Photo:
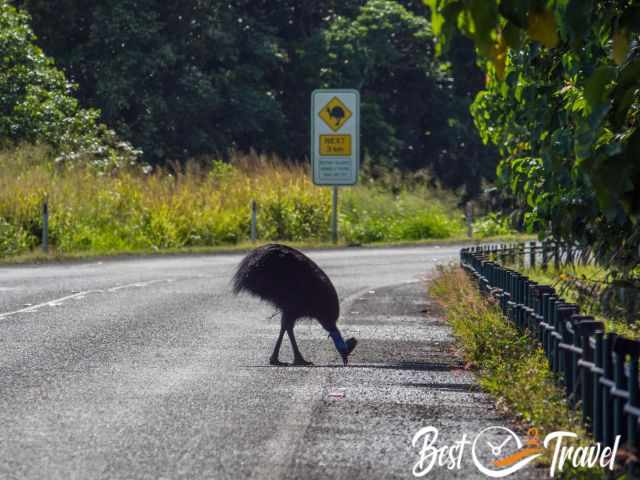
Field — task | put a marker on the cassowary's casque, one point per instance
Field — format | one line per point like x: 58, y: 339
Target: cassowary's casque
x: 295, y: 285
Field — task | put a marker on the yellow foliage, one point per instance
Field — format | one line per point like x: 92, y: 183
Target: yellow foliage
x: 498, y: 56
x: 621, y: 44
x: 542, y: 28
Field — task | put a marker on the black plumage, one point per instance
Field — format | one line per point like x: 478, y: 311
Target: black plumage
x: 297, y: 287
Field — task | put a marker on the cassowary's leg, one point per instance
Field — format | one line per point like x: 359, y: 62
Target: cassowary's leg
x: 276, y: 351
x: 297, y: 356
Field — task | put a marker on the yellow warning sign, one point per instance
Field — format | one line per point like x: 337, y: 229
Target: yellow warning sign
x: 335, y: 114
x: 335, y: 145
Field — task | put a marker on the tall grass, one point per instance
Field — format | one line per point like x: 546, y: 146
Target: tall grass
x: 204, y: 203
x: 574, y: 281
x: 512, y: 366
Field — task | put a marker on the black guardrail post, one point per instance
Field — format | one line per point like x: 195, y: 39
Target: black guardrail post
x: 592, y: 366
x: 625, y: 424
x: 619, y: 392
x: 607, y: 385
x: 585, y: 327
x: 597, y: 372
x: 569, y: 354
x: 632, y: 409
x: 532, y: 254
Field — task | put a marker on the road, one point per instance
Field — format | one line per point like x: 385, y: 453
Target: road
x: 149, y: 368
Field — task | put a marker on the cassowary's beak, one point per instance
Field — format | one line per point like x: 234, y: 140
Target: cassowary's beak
x: 344, y: 348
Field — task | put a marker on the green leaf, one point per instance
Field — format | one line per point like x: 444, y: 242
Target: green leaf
x: 622, y: 103
x: 576, y: 18
x: 629, y: 74
x: 485, y: 17
x: 515, y: 11
x: 595, y: 90
x: 621, y: 45
x: 543, y: 28
x: 630, y: 19
x: 512, y: 35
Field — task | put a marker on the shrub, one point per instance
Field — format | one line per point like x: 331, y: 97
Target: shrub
x: 201, y: 205
x: 37, y: 102
x: 492, y: 225
x: 13, y: 239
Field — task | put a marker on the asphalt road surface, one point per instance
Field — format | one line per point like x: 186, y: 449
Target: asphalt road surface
x: 150, y: 369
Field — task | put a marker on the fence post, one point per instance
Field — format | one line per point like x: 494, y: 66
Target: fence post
x: 532, y: 254
x: 469, y: 217
x: 334, y: 216
x: 521, y: 254
x: 556, y: 255
x: 569, y: 255
x: 607, y: 384
x: 632, y: 418
x: 254, y: 221
x: 544, y: 255
x: 597, y: 424
x: 45, y: 225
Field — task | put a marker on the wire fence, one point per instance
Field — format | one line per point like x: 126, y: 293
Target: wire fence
x: 598, y: 371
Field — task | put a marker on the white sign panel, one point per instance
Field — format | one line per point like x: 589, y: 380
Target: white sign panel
x: 335, y: 136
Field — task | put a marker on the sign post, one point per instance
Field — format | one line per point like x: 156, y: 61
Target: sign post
x: 335, y: 142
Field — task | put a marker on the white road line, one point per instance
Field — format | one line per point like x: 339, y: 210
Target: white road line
x: 51, y: 303
x: 138, y: 284
x: 80, y: 295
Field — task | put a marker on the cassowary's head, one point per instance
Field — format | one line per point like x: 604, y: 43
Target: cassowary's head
x: 344, y: 348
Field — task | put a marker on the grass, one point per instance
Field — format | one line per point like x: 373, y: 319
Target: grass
x: 205, y: 206
x: 565, y: 281
x: 511, y: 366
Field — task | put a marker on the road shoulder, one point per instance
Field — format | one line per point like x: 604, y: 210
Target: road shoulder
x: 406, y: 375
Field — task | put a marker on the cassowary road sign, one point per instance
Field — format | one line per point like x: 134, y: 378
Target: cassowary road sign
x: 335, y: 114
x: 335, y: 136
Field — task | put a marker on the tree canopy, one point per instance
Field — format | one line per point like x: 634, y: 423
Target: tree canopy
x: 201, y: 77
x: 562, y: 103
x: 37, y: 102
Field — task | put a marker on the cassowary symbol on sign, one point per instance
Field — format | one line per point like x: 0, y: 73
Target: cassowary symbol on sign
x: 336, y: 113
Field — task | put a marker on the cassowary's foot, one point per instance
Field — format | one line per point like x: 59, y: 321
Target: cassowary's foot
x: 301, y: 362
x: 277, y: 363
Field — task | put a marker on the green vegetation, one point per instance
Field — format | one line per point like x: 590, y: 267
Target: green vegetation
x: 36, y: 102
x: 562, y: 104
x: 512, y: 367
x: 195, y: 206
x: 586, y: 285
x: 200, y: 80
x: 196, y: 78
x: 492, y: 225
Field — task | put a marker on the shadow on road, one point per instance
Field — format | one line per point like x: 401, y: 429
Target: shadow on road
x: 431, y: 367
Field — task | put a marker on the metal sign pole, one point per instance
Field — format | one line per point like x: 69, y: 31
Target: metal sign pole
x: 45, y: 225
x: 334, y: 216
x: 254, y: 221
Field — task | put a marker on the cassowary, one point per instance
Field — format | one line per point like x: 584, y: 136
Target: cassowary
x: 298, y: 288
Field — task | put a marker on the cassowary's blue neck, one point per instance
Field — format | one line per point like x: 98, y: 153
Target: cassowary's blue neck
x: 339, y: 341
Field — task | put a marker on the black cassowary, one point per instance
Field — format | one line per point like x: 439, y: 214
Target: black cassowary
x: 298, y: 288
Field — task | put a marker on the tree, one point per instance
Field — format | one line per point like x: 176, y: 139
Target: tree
x: 415, y: 112
x: 562, y: 103
x: 177, y: 79
x: 37, y: 102
x: 199, y: 77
